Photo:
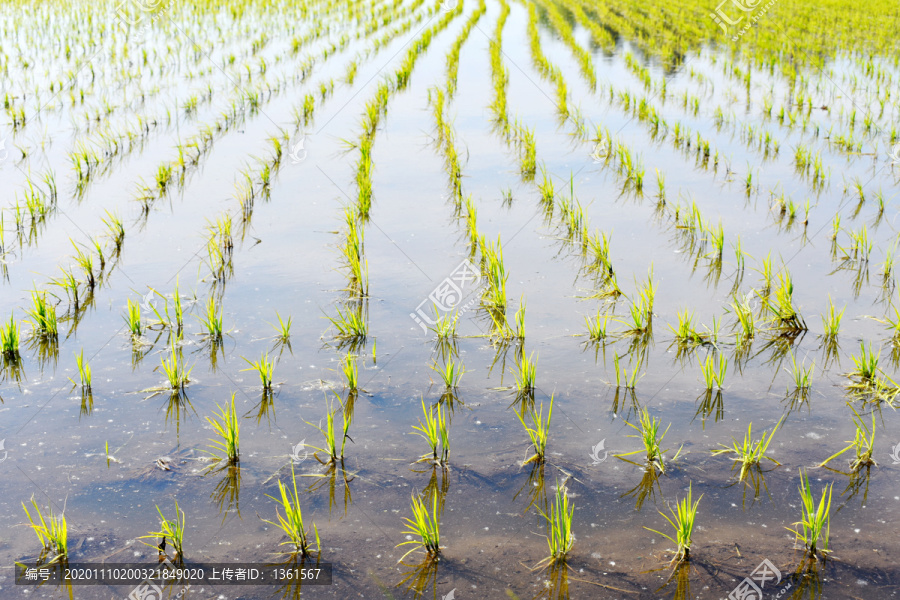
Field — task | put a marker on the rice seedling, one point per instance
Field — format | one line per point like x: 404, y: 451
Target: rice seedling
x: 424, y: 528
x: 291, y: 524
x: 866, y: 371
x: 684, y: 516
x: 714, y: 374
x: 685, y: 333
x: 9, y: 340
x: 624, y: 379
x: 831, y: 321
x: 750, y: 453
x: 51, y: 530
x: 560, y: 538
x: 648, y: 433
x: 444, y: 325
x: 785, y: 316
x: 211, y: 320
x: 597, y: 327
x: 133, y: 319
x: 434, y: 430
x: 863, y: 443
x: 43, y: 316
x: 84, y: 372
x: 177, y: 375
x: 815, y: 521
x: 283, y: 328
x: 538, y: 432
x: 526, y: 374
x: 225, y: 424
x: 801, y: 374
x: 332, y: 453
x: 171, y: 530
x: 264, y: 367
x: 69, y: 285
x: 350, y: 324
x: 451, y: 373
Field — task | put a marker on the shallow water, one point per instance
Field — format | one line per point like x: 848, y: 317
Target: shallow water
x: 288, y: 262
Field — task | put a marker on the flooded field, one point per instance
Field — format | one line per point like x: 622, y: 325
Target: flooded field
x: 476, y: 299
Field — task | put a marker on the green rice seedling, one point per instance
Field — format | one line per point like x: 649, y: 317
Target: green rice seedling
x: 84, y: 371
x: 785, y: 315
x: 86, y: 262
x: 264, y: 367
x: 69, y: 285
x: 815, y: 521
x: 51, y: 530
x: 211, y: 320
x: 684, y: 516
x: 133, y: 319
x: 538, y: 432
x: 801, y: 374
x: 863, y: 443
x: 746, y: 323
x: 9, y: 340
x: 434, y: 430
x: 333, y: 455
x: 43, y: 316
x: 291, y: 524
x: 451, y: 373
x: 623, y: 378
x: 283, y: 328
x: 713, y: 374
x: 350, y: 368
x: 866, y: 371
x: 226, y: 445
x: 597, y: 327
x: 831, y: 321
x: 177, y: 375
x: 648, y: 433
x: 424, y: 527
x: 171, y: 530
x: 444, y: 326
x: 526, y: 374
x: 685, y: 333
x: 350, y: 324
x: 750, y: 453
x: 560, y: 538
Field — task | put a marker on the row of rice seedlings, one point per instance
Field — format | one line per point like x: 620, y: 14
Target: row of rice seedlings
x: 51, y: 530
x: 448, y: 146
x: 749, y: 453
x: 353, y: 253
x: 714, y: 374
x: 538, y: 432
x: 583, y: 57
x: 545, y: 67
x: 435, y: 431
x: 492, y: 268
x: 499, y: 73
x: 648, y: 432
x: 453, y: 53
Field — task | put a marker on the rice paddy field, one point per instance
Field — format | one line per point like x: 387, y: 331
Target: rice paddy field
x: 460, y: 299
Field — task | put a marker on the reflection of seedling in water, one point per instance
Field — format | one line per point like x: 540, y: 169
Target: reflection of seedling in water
x: 52, y: 531
x: 749, y: 453
x: 291, y: 524
x: 648, y: 433
x: 683, y: 518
